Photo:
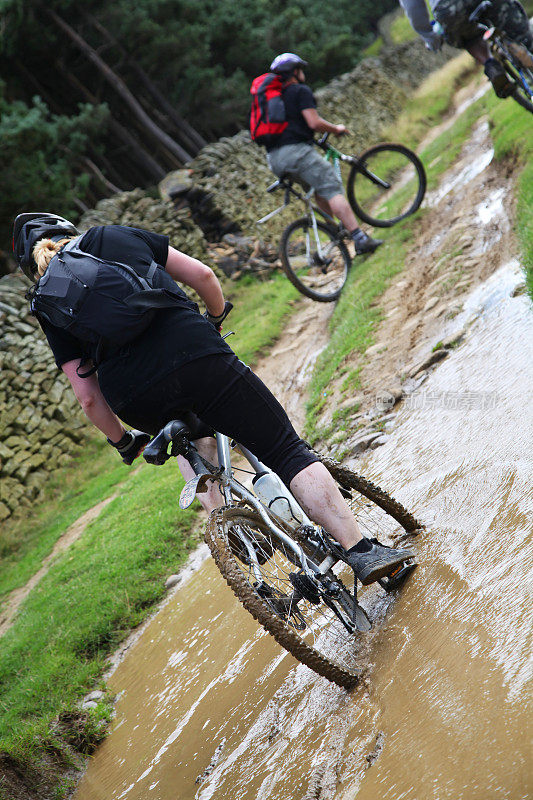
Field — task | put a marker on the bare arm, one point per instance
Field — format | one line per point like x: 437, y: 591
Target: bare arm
x: 93, y: 403
x: 316, y: 123
x: 199, y: 277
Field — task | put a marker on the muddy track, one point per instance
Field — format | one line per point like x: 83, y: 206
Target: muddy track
x: 227, y: 715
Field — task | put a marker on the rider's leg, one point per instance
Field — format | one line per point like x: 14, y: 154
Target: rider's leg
x: 319, y: 496
x: 339, y: 207
x: 207, y: 447
x: 317, y: 493
x: 494, y: 71
x: 479, y: 50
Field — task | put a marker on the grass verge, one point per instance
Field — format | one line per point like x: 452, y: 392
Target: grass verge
x: 512, y: 134
x: 24, y: 542
x: 260, y: 312
x: 357, y: 314
x: 104, y: 585
x: 352, y: 325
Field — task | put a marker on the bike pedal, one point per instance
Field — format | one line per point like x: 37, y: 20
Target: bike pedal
x: 398, y: 576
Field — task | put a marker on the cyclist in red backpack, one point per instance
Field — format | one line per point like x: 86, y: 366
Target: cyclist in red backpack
x: 292, y: 152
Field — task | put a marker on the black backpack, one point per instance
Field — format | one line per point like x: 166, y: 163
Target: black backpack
x: 103, y: 303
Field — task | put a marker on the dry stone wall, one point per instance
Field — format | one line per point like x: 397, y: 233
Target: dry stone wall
x: 41, y: 425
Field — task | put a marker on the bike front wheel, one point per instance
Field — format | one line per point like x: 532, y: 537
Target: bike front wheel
x: 315, y: 261
x: 308, y: 629
x: 386, y: 185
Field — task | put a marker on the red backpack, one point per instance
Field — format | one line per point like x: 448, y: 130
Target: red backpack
x: 267, y: 115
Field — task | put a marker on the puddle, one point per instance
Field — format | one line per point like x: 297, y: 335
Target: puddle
x: 493, y: 208
x: 483, y: 89
x: 478, y: 161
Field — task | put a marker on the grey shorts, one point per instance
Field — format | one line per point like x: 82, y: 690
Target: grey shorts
x: 303, y: 163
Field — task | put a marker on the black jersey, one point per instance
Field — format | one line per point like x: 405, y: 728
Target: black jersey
x: 174, y: 337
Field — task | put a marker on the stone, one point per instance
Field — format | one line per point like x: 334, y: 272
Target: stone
x: 518, y: 290
x: 379, y: 440
x: 350, y: 402
x: 94, y: 696
x: 453, y: 339
x: 432, y: 358
x: 175, y: 184
x: 431, y: 303
x: 374, y: 349
x: 172, y: 581
x: 361, y: 443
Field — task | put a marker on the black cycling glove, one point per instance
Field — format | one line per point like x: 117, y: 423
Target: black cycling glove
x: 216, y: 322
x: 130, y: 445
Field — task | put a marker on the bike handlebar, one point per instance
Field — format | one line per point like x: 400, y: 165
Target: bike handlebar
x: 176, y: 432
x: 479, y: 10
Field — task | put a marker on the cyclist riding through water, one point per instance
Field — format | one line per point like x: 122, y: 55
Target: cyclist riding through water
x: 179, y: 366
x: 459, y: 31
x: 293, y: 153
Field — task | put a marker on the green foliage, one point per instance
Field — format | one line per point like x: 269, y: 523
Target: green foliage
x: 374, y: 49
x: 41, y: 156
x: 268, y: 305
x: 401, y: 30
x: 203, y: 54
x: 24, y: 542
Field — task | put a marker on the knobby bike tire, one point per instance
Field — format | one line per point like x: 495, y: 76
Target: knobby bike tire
x: 215, y: 535
x: 304, y: 224
x: 216, y: 538
x: 351, y: 480
x: 420, y: 173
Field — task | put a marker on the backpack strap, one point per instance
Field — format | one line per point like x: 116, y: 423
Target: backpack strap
x: 90, y: 371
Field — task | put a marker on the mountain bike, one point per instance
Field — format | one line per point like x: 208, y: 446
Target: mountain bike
x: 385, y: 184
x: 516, y: 60
x: 284, y: 569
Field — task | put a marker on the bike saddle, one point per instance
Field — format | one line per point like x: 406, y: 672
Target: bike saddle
x: 176, y: 432
x: 284, y: 182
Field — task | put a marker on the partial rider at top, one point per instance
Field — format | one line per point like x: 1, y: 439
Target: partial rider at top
x: 453, y: 18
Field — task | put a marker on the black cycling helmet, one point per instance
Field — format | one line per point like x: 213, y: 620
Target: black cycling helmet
x: 287, y: 62
x: 31, y: 228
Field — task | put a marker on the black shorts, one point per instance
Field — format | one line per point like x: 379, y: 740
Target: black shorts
x: 228, y: 397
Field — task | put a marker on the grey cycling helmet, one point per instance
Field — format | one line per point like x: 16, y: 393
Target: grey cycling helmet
x: 32, y: 227
x: 286, y: 62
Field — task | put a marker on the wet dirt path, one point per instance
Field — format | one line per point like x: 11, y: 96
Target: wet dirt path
x: 210, y: 707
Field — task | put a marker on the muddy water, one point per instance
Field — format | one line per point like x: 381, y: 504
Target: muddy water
x: 210, y: 706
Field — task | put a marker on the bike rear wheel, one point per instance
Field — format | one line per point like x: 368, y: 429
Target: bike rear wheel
x: 312, y: 632
x: 318, y: 269
x: 387, y: 185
